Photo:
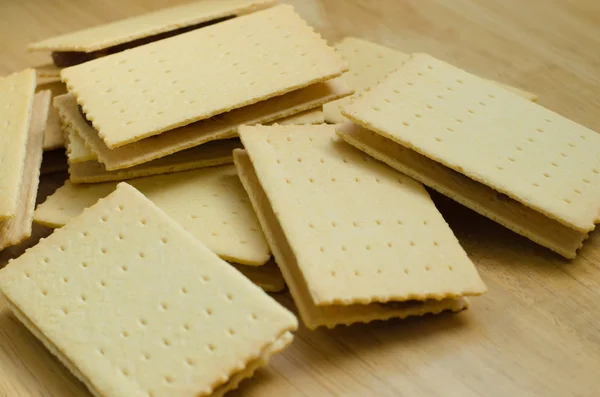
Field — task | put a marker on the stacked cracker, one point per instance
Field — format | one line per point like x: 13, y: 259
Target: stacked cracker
x: 356, y: 240
x: 191, y: 92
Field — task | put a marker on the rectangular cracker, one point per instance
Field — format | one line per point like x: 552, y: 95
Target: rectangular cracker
x: 54, y: 138
x: 208, y: 155
x: 16, y: 101
x: 480, y: 198
x: 369, y: 63
x: 209, y: 203
x: 47, y: 74
x: 200, y: 74
x: 220, y: 127
x: 519, y: 148
x: 150, y: 24
x: 313, y: 116
x: 17, y: 229
x: 350, y: 254
x: 123, y: 284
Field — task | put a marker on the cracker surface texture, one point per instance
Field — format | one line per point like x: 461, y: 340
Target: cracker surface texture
x: 200, y: 74
x: 16, y: 102
x: 352, y: 252
x: 533, y: 155
x: 176, y: 319
x: 161, y: 21
x: 313, y: 116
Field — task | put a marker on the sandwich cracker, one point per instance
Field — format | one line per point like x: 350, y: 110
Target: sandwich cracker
x: 176, y: 319
x: 533, y: 155
x: 224, y: 69
x: 221, y: 127
x: 349, y: 255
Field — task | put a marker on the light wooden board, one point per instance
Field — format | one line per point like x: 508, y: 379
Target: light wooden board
x: 536, y: 331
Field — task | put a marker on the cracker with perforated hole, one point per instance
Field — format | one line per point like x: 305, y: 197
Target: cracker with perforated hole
x: 16, y: 102
x: 386, y: 253
x: 209, y: 203
x: 512, y: 145
x: 147, y: 25
x: 482, y: 199
x: 134, y: 305
x: 369, y: 63
x: 54, y: 138
x: 208, y: 155
x: 200, y: 74
x: 220, y: 127
x: 17, y: 229
x: 314, y: 116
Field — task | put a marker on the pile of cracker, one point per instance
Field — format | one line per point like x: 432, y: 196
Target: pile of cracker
x: 213, y: 113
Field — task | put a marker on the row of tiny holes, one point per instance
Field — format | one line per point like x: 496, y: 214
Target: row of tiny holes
x: 379, y: 271
x: 322, y: 161
x: 530, y: 139
x: 143, y: 322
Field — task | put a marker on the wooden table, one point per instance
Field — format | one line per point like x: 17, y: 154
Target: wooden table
x: 537, y: 331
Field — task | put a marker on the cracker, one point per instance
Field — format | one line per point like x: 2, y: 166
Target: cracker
x: 54, y: 138
x: 267, y: 277
x: 150, y: 24
x: 369, y: 63
x: 352, y: 256
x: 175, y: 319
x: 54, y: 161
x: 77, y: 151
x: 208, y: 155
x: 313, y: 116
x: 480, y: 198
x: 200, y: 74
x: 220, y: 127
x: 525, y: 151
x: 17, y: 229
x: 209, y: 203
x: 16, y: 101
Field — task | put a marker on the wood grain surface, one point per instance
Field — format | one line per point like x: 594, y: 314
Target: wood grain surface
x: 536, y: 332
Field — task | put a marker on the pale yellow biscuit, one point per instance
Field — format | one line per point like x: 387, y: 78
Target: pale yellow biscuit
x: 200, y: 74
x: 134, y: 305
x: 77, y: 151
x: 18, y: 228
x: 349, y: 254
x: 220, y: 127
x: 533, y: 155
x: 209, y: 203
x: 208, y: 155
x: 16, y: 101
x: 369, y: 63
x: 480, y: 198
x: 161, y: 21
